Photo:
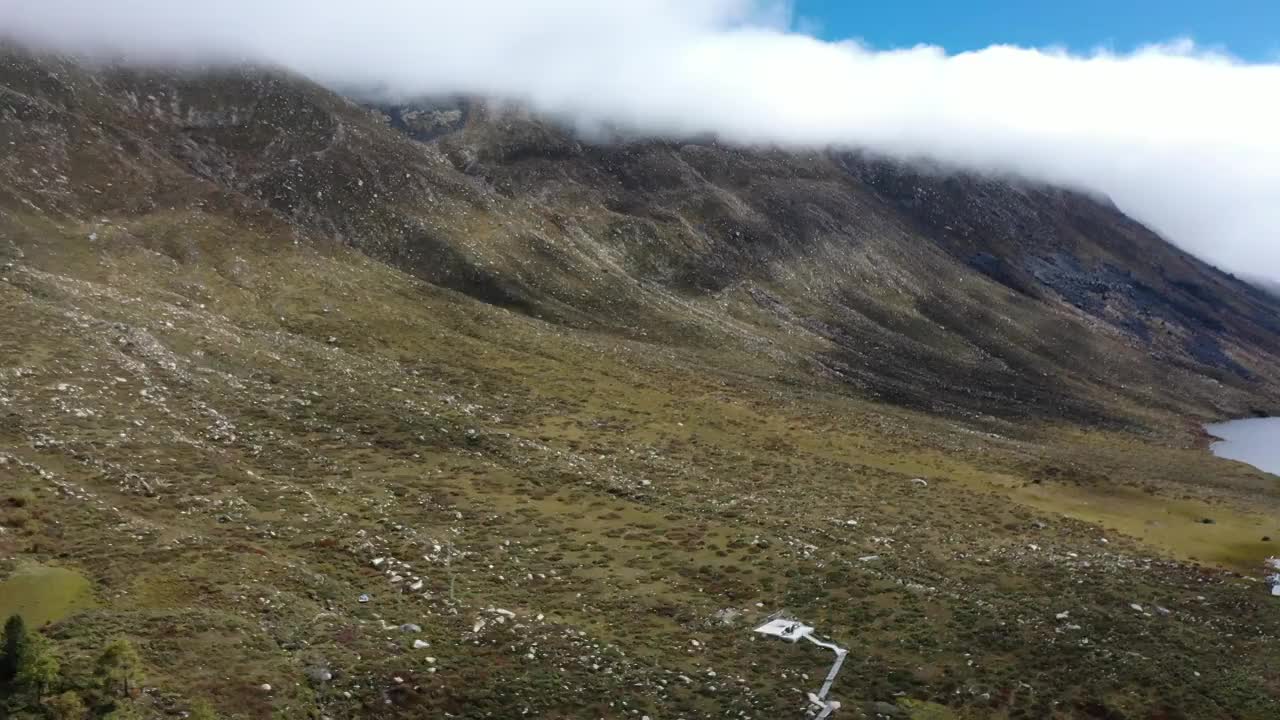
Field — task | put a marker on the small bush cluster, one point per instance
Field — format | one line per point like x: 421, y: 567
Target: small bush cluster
x: 33, y: 683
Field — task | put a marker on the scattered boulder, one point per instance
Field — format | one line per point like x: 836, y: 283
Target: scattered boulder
x: 881, y: 709
x: 727, y: 616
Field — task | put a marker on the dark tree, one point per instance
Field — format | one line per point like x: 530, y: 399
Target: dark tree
x: 12, y: 649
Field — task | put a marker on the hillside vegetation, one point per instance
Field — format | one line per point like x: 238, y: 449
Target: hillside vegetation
x: 426, y: 410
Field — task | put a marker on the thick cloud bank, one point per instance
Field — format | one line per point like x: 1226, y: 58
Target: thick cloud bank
x: 1186, y: 140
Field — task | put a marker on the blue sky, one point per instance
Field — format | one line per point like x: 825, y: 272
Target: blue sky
x: 1249, y: 29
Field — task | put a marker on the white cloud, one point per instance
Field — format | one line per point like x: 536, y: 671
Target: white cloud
x: 1182, y: 138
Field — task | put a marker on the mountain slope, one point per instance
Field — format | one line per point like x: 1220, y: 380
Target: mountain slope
x: 932, y: 290
x: 270, y: 350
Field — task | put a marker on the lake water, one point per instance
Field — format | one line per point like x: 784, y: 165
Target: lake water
x: 1255, y: 441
